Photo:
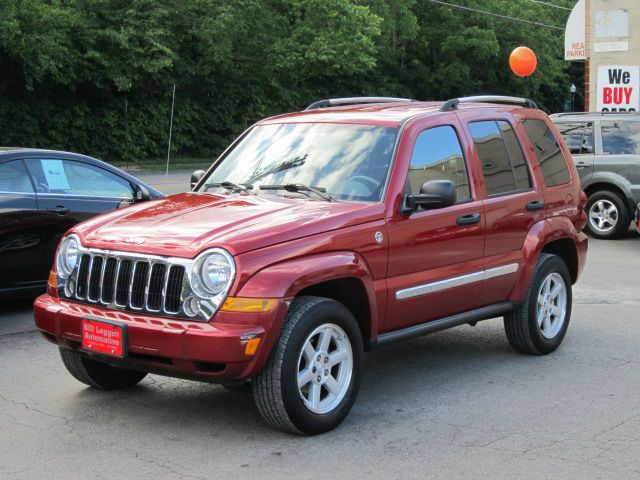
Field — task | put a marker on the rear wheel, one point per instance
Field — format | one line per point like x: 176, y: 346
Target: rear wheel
x: 311, y: 379
x: 98, y: 374
x: 539, y: 324
x: 608, y: 215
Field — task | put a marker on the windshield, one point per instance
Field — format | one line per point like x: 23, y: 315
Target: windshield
x: 349, y: 162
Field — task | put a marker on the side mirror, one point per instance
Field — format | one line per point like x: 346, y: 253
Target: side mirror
x: 196, y: 177
x: 140, y: 193
x: 433, y: 194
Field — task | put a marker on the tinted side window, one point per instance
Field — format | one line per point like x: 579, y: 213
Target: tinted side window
x: 550, y: 157
x: 437, y: 155
x: 14, y: 178
x: 620, y: 138
x: 578, y: 136
x: 77, y: 178
x: 518, y: 163
x: 494, y: 157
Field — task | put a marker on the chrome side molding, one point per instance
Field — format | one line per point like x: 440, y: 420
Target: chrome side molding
x: 453, y: 282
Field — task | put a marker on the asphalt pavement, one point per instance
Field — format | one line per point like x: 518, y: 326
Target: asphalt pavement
x: 457, y: 404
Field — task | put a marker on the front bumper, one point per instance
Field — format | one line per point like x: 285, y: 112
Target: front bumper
x: 213, y: 351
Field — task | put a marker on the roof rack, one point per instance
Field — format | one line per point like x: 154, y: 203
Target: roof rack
x: 453, y: 103
x: 334, y: 102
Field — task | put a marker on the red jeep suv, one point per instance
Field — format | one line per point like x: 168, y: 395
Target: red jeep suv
x: 322, y: 234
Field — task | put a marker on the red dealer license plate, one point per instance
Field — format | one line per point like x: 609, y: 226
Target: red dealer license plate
x: 104, y: 337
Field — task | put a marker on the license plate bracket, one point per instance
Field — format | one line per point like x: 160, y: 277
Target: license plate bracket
x: 104, y: 336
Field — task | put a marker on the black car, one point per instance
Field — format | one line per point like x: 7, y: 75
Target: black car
x: 43, y: 193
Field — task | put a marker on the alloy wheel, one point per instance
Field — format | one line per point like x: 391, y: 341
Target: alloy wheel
x: 603, y: 216
x: 552, y: 305
x: 325, y: 368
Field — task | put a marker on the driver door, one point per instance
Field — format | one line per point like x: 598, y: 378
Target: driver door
x: 435, y: 256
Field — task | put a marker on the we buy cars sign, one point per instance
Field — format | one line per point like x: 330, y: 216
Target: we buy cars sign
x: 618, y: 89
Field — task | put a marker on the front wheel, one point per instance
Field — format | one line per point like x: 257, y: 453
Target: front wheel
x: 539, y: 324
x: 312, y: 377
x: 98, y: 374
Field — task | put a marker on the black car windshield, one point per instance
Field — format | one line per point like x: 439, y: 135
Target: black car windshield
x: 348, y: 162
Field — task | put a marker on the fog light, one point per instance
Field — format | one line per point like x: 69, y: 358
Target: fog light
x: 191, y: 306
x: 70, y: 288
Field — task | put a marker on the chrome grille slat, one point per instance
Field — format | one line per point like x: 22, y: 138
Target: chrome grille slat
x: 101, y: 281
x: 132, y: 279
x: 89, y: 277
x: 145, y: 304
x: 164, y: 289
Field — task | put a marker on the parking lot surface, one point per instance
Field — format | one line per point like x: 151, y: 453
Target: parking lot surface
x: 457, y: 404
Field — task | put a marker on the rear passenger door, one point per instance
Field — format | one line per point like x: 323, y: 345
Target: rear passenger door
x: 553, y: 164
x: 512, y: 205
x: 435, y: 256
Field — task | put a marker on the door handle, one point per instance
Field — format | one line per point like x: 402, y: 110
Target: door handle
x: 535, y: 205
x: 59, y: 209
x: 468, y: 219
x: 581, y: 165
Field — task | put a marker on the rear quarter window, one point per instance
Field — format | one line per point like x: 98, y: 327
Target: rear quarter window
x: 548, y: 151
x: 620, y: 138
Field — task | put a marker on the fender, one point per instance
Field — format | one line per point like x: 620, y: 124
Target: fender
x: 614, y: 179
x: 541, y: 234
x: 286, y: 279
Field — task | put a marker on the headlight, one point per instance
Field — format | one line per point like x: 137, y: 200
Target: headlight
x: 212, y: 273
x: 67, y: 256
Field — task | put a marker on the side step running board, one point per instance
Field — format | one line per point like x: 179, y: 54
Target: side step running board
x: 433, y: 326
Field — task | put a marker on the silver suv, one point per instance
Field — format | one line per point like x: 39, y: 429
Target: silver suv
x: 606, y: 151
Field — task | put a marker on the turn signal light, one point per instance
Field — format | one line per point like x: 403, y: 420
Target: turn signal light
x: 252, y: 346
x: 52, y: 284
x: 244, y: 304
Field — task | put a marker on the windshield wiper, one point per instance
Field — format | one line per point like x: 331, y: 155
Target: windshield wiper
x: 298, y: 187
x: 234, y: 187
x: 286, y: 165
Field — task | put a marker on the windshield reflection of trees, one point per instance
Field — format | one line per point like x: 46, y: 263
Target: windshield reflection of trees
x: 314, y: 154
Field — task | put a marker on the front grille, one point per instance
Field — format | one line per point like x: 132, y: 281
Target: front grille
x: 150, y: 285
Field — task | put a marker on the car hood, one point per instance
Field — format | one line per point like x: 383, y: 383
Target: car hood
x: 185, y: 224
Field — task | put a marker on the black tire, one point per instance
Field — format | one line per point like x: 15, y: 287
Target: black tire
x: 98, y: 374
x: 275, y: 388
x: 622, y: 212
x: 521, y: 325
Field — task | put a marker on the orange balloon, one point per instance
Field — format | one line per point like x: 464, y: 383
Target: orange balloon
x: 523, y: 61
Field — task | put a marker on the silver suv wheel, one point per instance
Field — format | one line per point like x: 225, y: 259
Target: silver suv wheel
x: 325, y: 366
x: 603, y: 216
x: 552, y: 305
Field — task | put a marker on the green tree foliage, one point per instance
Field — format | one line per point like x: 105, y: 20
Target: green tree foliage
x: 96, y: 76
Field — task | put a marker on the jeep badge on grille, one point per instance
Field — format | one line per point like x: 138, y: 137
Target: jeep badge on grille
x: 136, y: 240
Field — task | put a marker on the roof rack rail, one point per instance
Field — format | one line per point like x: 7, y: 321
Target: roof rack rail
x: 334, y: 102
x: 453, y: 103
